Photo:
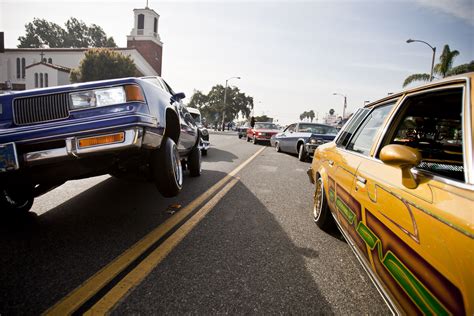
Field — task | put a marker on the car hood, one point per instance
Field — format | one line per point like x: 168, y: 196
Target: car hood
x: 266, y: 130
x: 327, y: 137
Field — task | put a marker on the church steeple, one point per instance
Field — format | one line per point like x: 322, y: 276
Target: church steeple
x: 145, y: 38
x: 145, y: 26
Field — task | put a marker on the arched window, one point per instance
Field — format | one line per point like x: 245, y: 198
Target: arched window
x: 36, y: 80
x: 50, y: 60
x: 155, y: 25
x: 45, y: 80
x: 23, y: 67
x: 18, y: 71
x: 141, y: 22
x: 41, y: 80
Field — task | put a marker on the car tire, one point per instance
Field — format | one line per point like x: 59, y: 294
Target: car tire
x: 248, y: 139
x: 194, y: 162
x: 16, y: 200
x: 240, y: 136
x: 166, y: 168
x: 321, y: 213
x: 277, y: 147
x: 302, y: 154
x: 254, y: 140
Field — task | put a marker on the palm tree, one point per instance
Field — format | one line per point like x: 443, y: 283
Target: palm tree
x: 311, y: 115
x: 442, y: 68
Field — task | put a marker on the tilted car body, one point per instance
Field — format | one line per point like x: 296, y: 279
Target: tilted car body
x: 120, y: 126
x: 204, y: 133
x: 399, y: 182
x: 303, y: 138
x: 261, y: 132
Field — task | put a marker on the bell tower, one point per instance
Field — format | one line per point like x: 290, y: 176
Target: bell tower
x: 145, y: 38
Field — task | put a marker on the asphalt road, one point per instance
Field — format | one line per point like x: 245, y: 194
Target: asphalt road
x: 256, y: 251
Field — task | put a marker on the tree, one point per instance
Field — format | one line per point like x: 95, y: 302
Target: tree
x: 303, y: 115
x: 461, y: 69
x: 212, y: 104
x: 40, y: 33
x: 103, y: 63
x: 263, y: 118
x: 331, y: 112
x: 442, y: 68
x: 311, y: 115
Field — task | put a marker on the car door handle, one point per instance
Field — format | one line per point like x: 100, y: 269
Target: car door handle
x: 331, y: 163
x: 361, y: 180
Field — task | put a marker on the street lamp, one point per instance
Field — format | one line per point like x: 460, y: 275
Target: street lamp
x: 434, y: 53
x: 225, y: 97
x: 345, y: 103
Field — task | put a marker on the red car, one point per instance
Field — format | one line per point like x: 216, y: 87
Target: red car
x: 261, y: 131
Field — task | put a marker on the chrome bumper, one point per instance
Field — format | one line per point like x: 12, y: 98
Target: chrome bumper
x: 204, y: 144
x: 133, y: 139
x: 310, y: 148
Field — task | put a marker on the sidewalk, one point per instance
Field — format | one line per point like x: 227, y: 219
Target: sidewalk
x: 226, y: 132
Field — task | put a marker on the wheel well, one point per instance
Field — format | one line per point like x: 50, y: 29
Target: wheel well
x: 172, y: 125
x: 299, y: 144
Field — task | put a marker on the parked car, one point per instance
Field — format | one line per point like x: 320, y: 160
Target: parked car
x: 261, y: 132
x: 399, y: 183
x: 204, y: 133
x: 303, y: 138
x: 242, y: 131
x: 121, y: 126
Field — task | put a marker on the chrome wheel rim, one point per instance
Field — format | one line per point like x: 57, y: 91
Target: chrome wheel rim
x: 318, y: 199
x: 177, y: 168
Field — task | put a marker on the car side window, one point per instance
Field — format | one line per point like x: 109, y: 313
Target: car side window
x: 168, y: 87
x: 187, y: 116
x: 290, y: 129
x: 364, y: 138
x: 351, y: 126
x: 432, y: 123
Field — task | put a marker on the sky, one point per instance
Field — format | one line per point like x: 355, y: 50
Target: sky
x: 292, y: 56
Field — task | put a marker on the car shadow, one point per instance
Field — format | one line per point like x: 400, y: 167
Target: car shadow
x: 44, y: 257
x: 238, y: 260
x: 216, y: 154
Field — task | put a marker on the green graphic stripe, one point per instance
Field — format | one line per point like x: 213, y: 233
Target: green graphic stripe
x: 367, y: 235
x: 345, y: 210
x: 425, y: 301
x: 331, y: 195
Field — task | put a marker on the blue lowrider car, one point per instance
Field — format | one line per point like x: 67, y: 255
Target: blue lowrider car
x: 303, y: 138
x: 121, y: 126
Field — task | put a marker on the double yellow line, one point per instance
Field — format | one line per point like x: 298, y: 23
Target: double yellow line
x: 94, y: 284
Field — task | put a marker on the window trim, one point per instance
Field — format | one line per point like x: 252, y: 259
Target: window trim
x: 468, y: 165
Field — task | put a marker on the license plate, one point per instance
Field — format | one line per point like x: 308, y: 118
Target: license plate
x: 8, y: 157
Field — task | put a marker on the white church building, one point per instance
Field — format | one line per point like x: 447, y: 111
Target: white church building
x: 28, y: 68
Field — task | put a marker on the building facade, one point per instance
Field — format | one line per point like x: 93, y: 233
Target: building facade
x: 27, y: 68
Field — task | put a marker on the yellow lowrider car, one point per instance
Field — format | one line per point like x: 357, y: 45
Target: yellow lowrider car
x: 398, y: 181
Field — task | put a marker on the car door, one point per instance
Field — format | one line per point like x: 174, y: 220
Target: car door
x: 285, y: 144
x: 188, y: 134
x: 420, y: 239
x: 189, y: 129
x: 352, y: 147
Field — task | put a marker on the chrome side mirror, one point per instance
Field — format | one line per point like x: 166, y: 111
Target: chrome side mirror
x: 403, y: 157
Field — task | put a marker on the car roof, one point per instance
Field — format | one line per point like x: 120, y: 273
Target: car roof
x: 448, y: 80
